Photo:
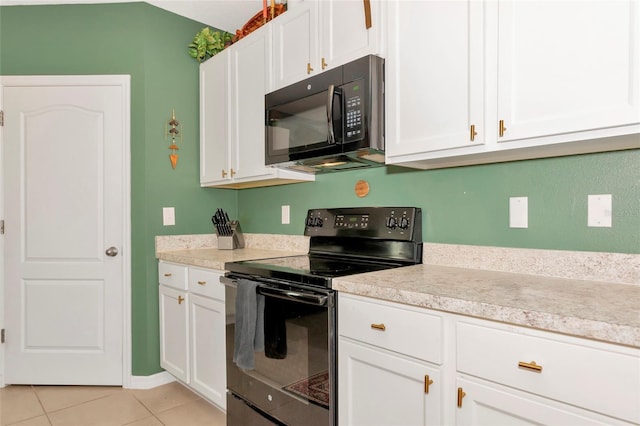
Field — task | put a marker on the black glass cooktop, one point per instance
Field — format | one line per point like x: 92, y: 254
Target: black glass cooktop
x: 306, y: 269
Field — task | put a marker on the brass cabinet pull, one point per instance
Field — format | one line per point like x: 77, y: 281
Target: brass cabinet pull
x: 309, y: 69
x: 367, y: 14
x: 224, y: 174
x: 180, y: 300
x: 202, y: 282
x: 380, y: 327
x: 531, y: 366
x: 168, y: 274
x: 427, y: 383
x: 473, y: 132
x: 461, y: 395
x: 324, y: 64
x: 233, y: 172
x: 502, y: 128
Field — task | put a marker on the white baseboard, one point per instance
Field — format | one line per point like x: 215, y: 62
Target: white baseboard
x: 148, y: 382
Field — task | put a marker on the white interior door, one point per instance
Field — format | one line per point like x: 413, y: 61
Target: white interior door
x: 66, y: 212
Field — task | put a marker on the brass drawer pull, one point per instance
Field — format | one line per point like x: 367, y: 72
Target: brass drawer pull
x: 461, y: 395
x: 502, y: 128
x: 180, y: 300
x: 202, y: 282
x: 380, y: 327
x: 168, y: 274
x: 473, y: 134
x: 531, y: 366
x: 427, y: 383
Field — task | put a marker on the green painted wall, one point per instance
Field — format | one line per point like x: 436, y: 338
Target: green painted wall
x: 470, y: 205
x: 149, y: 44
x: 461, y: 206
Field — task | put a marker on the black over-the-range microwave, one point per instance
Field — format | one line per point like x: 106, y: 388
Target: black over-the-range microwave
x: 331, y: 121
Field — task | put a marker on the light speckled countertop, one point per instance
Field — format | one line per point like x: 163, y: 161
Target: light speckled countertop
x: 585, y: 294
x: 598, y: 310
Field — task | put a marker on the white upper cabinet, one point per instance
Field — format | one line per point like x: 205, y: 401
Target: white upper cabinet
x: 567, y: 66
x: 232, y: 139
x: 214, y: 116
x: 317, y: 35
x: 348, y: 30
x: 534, y: 79
x: 434, y: 77
x: 295, y: 44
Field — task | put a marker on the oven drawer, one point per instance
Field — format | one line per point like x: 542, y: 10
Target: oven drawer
x: 206, y: 282
x: 393, y: 326
x: 172, y: 275
x: 581, y: 373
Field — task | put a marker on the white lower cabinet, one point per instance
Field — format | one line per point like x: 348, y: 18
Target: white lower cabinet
x: 192, y: 329
x: 403, y: 365
x: 378, y: 382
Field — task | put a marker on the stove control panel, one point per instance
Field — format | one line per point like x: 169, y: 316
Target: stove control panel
x: 394, y: 223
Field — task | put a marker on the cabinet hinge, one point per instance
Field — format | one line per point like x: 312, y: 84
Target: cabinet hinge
x: 2, y: 336
x: 1, y: 118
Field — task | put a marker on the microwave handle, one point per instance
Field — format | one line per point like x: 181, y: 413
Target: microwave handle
x: 331, y: 93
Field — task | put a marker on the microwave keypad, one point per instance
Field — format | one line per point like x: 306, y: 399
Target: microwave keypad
x: 354, y: 116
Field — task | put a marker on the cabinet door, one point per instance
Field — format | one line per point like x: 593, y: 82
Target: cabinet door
x: 208, y: 366
x: 174, y: 332
x: 343, y: 35
x: 248, y: 85
x: 567, y: 66
x: 434, y: 78
x: 295, y: 44
x: 379, y: 388
x: 214, y: 120
x: 489, y: 404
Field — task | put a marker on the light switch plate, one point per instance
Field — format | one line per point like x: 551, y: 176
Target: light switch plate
x: 519, y: 212
x: 168, y: 216
x: 599, y: 210
x: 286, y: 218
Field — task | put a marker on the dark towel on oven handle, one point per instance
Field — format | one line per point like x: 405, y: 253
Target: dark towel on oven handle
x: 249, y: 327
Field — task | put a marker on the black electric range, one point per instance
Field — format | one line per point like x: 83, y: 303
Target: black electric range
x: 345, y: 241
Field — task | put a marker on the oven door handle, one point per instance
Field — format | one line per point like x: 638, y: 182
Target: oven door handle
x: 228, y: 282
x: 309, y: 298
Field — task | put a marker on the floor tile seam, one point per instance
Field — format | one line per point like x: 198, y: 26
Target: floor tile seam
x: 72, y: 405
x: 167, y: 409
x: 44, y: 411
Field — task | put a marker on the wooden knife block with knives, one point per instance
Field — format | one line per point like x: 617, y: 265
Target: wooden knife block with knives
x: 228, y: 231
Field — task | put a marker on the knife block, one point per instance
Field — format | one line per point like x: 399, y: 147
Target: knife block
x: 233, y: 241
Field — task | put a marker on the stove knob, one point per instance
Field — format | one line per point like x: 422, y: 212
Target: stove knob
x: 310, y: 221
x: 391, y: 223
x: 318, y: 222
x: 403, y: 223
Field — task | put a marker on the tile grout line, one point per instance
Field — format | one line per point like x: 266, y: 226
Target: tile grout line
x: 46, y: 414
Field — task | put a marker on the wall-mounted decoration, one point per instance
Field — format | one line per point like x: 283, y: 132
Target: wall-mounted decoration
x: 362, y: 188
x: 173, y: 132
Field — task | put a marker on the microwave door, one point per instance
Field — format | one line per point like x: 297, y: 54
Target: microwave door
x: 299, y: 129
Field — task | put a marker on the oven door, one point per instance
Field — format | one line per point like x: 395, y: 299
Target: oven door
x: 293, y: 381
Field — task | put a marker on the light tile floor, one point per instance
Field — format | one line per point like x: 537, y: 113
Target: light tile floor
x: 169, y: 405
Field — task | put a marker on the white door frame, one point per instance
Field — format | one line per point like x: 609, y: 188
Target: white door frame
x: 124, y: 81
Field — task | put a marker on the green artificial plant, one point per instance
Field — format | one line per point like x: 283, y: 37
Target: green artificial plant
x: 207, y: 43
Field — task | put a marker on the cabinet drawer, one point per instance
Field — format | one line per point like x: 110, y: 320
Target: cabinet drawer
x: 206, y: 282
x: 172, y: 275
x: 399, y: 328
x: 589, y: 376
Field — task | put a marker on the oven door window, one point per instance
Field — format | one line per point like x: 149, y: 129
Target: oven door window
x: 290, y: 379
x: 301, y: 128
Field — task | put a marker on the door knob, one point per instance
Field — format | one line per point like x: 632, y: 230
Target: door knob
x: 111, y: 252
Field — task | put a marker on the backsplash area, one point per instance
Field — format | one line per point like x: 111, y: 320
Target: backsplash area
x: 593, y: 266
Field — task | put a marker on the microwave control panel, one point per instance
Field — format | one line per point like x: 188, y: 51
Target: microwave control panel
x: 354, y: 102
